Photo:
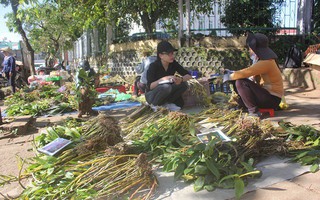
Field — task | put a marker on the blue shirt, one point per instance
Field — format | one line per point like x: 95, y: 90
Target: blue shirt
x: 9, y: 64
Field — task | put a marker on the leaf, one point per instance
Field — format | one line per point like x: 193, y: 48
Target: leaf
x: 213, y: 168
x: 256, y: 172
x: 308, y: 159
x: 179, y: 171
x: 200, y: 147
x: 210, y: 187
x: 300, y: 155
x: 168, y: 166
x: 192, y: 128
x: 314, y: 168
x: 247, y: 166
x: 239, y: 187
x: 228, y: 177
x: 194, y: 158
x: 180, y: 142
x: 188, y: 177
x: 69, y: 175
x: 50, y: 171
x: 189, y: 171
x: 201, y: 169
x: 198, y: 184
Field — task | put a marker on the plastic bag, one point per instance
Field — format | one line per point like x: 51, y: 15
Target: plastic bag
x: 123, y: 97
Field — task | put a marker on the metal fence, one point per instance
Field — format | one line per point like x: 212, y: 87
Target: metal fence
x: 203, y: 25
x: 285, y: 17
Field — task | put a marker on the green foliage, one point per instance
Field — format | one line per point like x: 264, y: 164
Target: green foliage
x: 316, y: 17
x: 249, y: 14
x: 310, y: 138
x: 233, y: 59
x: 208, y: 166
x: 211, y: 166
x: 55, y: 132
x: 38, y: 102
x: 50, y: 27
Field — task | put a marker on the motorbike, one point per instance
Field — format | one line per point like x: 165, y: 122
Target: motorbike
x: 20, y: 82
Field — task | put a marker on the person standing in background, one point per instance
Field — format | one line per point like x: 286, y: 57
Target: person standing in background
x: 9, y: 67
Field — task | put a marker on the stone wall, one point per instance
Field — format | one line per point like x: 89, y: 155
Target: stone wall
x: 306, y: 78
x: 210, y: 55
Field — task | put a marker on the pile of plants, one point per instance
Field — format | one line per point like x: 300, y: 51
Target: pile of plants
x: 171, y: 142
x: 116, y: 161
x: 48, y: 99
x: 96, y: 165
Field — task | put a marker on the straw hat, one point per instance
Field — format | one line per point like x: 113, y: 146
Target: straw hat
x: 6, y: 49
x: 19, y: 63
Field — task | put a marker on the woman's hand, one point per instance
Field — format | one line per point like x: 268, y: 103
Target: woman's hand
x: 177, y: 80
x: 169, y: 78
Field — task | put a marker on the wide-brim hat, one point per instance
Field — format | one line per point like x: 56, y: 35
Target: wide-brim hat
x: 259, y: 43
x: 19, y: 63
x: 6, y: 49
x: 165, y: 47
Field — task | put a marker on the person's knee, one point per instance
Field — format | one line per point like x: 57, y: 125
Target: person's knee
x: 166, y: 88
x: 239, y: 83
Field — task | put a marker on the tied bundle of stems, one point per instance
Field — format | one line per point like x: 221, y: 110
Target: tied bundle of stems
x: 198, y: 90
x: 133, y: 125
x: 99, y: 133
x: 98, y: 166
x: 167, y: 134
x: 254, y: 137
x: 101, y: 176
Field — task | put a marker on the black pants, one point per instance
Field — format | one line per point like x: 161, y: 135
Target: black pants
x: 138, y: 86
x: 253, y: 96
x: 11, y: 81
x: 167, y: 93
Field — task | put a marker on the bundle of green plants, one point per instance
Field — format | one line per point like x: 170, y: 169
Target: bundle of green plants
x: 96, y: 165
x: 171, y: 141
x: 45, y: 100
x: 199, y: 91
x: 166, y: 134
x: 303, y: 143
x: 132, y: 126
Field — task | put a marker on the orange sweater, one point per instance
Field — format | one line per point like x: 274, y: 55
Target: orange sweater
x: 270, y: 76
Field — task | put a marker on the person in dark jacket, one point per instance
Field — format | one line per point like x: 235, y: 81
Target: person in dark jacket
x: 163, y: 87
x: 9, y: 67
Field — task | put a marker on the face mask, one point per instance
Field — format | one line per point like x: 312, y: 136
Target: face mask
x: 254, y: 58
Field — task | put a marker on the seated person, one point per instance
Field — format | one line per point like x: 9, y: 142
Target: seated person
x: 163, y: 69
x: 141, y: 80
x: 266, y: 90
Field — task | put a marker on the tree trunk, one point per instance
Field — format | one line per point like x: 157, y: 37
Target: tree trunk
x: 180, y: 33
x: 304, y: 16
x: 14, y: 6
x: 146, y: 23
x: 188, y: 22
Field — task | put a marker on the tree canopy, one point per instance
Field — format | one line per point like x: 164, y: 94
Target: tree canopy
x: 250, y: 13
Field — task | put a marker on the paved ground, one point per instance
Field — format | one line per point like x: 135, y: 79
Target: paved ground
x: 304, y: 109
